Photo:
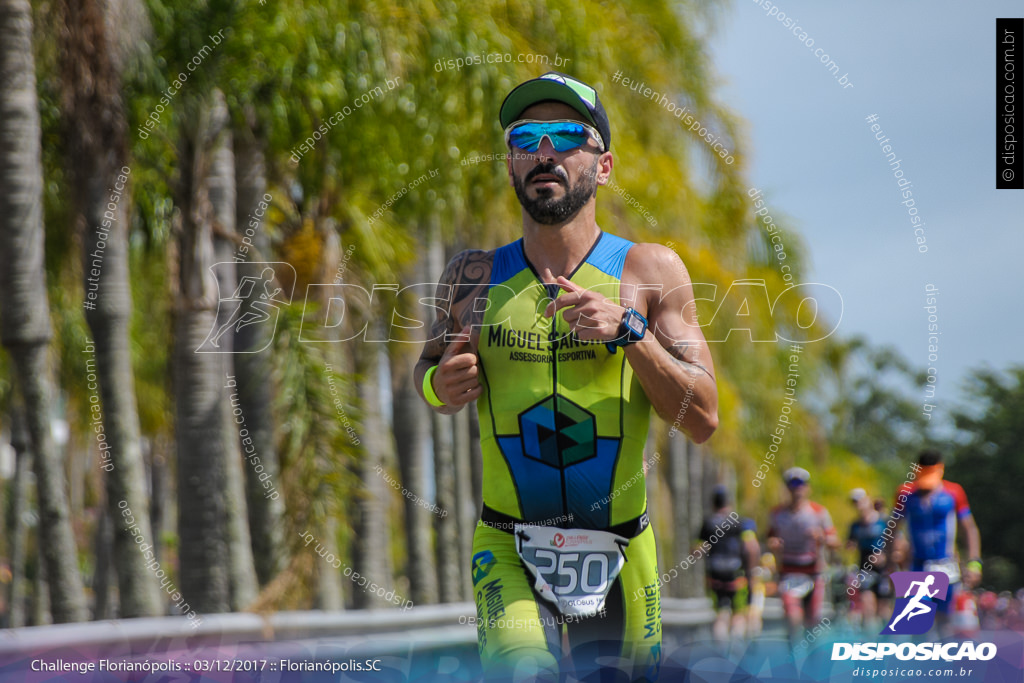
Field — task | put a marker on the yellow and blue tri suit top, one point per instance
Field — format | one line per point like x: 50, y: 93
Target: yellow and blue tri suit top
x: 563, y: 422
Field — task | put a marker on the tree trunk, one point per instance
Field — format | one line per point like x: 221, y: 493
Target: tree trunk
x: 40, y: 593
x: 97, y: 154
x: 476, y: 461
x: 329, y: 596
x: 678, y: 479
x: 449, y: 562
x: 200, y: 396
x: 372, y: 543
x: 159, y: 496
x: 221, y: 183
x: 253, y: 369
x: 330, y: 586
x: 450, y: 547
x: 16, y: 526
x: 694, y: 586
x: 465, y: 512
x: 103, y: 597
x: 411, y: 420
x: 25, y: 322
x: 124, y: 478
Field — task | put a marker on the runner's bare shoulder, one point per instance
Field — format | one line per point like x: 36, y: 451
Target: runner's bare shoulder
x: 648, y: 259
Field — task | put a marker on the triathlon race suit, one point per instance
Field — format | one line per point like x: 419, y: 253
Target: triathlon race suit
x: 725, y: 566
x: 803, y: 558
x: 563, y: 425
x: 866, y: 535
x: 931, y: 523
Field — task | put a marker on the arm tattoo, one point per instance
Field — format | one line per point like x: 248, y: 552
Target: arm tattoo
x: 464, y: 281
x: 677, y: 352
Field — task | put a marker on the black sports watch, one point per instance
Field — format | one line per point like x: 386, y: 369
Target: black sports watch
x: 631, y: 330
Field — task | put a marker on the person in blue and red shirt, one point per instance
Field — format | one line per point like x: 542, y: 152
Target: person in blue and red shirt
x: 934, y: 509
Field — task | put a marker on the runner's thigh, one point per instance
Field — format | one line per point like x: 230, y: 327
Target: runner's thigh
x: 515, y: 633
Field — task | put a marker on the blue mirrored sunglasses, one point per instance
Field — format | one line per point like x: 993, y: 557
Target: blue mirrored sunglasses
x: 564, y: 135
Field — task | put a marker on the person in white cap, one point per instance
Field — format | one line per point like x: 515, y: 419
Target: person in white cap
x: 800, y: 532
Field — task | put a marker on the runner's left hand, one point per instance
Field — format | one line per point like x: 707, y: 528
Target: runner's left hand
x: 592, y: 316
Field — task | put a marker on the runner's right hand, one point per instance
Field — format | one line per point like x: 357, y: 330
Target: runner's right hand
x: 456, y: 379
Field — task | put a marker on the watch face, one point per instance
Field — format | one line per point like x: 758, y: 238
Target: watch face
x: 635, y: 325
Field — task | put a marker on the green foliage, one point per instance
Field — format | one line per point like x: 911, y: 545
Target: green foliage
x: 316, y: 450
x: 150, y: 331
x: 872, y: 411
x: 989, y: 464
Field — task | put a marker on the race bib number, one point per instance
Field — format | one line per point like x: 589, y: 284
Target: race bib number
x: 797, y: 585
x: 572, y: 568
x: 950, y: 567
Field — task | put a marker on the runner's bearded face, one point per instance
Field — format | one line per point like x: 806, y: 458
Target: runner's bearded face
x: 545, y: 201
x: 553, y: 186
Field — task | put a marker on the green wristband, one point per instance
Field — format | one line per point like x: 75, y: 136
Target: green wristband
x: 428, y: 389
x: 974, y: 566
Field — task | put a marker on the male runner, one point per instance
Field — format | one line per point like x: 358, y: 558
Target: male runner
x: 800, y: 531
x: 865, y: 532
x: 567, y: 337
x: 934, y: 509
x: 730, y: 565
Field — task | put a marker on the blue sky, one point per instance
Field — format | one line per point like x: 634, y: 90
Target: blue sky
x: 927, y: 70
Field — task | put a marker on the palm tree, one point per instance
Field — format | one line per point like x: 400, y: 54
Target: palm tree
x: 97, y: 158
x: 411, y: 423
x: 371, y: 555
x: 253, y: 363
x: 25, y: 325
x: 222, y: 194
x: 201, y: 438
